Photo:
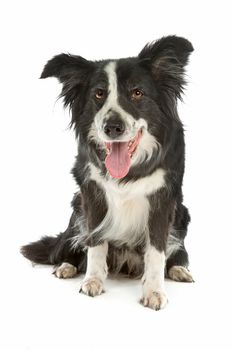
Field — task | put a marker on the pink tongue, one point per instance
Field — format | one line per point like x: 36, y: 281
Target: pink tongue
x: 118, y: 161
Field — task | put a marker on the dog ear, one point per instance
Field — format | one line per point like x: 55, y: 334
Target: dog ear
x: 72, y: 71
x: 167, y: 58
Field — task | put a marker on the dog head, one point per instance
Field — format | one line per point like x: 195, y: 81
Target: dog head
x: 125, y: 106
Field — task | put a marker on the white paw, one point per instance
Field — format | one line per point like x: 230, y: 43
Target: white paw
x: 92, y: 286
x: 180, y: 274
x: 65, y: 270
x: 155, y: 300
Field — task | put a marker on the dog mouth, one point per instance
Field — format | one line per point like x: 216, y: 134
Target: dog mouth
x: 119, y: 156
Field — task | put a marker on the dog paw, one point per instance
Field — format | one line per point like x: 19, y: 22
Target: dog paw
x: 180, y: 274
x: 155, y: 300
x: 92, y: 286
x: 65, y: 270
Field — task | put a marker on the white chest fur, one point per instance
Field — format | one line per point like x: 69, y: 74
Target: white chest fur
x: 126, y: 220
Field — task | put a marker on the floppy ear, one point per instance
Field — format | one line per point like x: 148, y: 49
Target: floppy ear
x: 167, y: 58
x: 72, y: 71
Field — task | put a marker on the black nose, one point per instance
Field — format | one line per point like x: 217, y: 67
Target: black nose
x: 114, y: 129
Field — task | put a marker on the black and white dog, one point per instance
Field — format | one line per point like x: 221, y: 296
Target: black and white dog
x: 128, y: 216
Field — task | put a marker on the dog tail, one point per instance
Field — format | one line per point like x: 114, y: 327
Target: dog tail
x: 41, y: 252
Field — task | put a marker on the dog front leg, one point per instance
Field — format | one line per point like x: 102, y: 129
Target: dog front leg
x: 161, y: 217
x: 94, y: 211
x: 154, y: 295
x: 97, y: 270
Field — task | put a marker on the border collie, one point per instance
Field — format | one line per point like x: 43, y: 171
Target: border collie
x: 128, y: 215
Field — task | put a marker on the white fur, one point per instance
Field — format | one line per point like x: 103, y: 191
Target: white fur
x: 144, y: 186
x: 147, y: 145
x: 173, y: 244
x: 97, y: 270
x: 154, y: 295
x: 126, y: 221
x: 96, y: 262
x: 154, y: 269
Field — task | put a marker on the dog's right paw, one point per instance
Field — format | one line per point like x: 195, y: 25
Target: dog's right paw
x: 92, y: 286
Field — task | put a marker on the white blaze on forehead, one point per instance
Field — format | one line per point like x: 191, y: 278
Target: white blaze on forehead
x: 112, y: 104
x: 110, y: 69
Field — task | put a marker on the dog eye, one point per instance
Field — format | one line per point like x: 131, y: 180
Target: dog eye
x: 100, y: 94
x: 136, y: 94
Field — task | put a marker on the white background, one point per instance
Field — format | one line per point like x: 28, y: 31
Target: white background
x: 39, y: 311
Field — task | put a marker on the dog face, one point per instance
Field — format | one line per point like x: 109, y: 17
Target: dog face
x: 125, y: 106
x: 122, y: 121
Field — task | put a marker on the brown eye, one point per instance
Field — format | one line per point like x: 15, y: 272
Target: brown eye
x: 136, y: 94
x: 100, y: 94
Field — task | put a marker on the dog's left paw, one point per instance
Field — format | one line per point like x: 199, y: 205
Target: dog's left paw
x: 92, y: 286
x: 180, y: 274
x: 65, y: 270
x: 155, y: 300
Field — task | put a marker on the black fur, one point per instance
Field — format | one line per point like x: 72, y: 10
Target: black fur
x: 160, y: 70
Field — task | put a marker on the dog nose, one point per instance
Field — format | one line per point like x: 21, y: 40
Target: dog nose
x: 114, y: 129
